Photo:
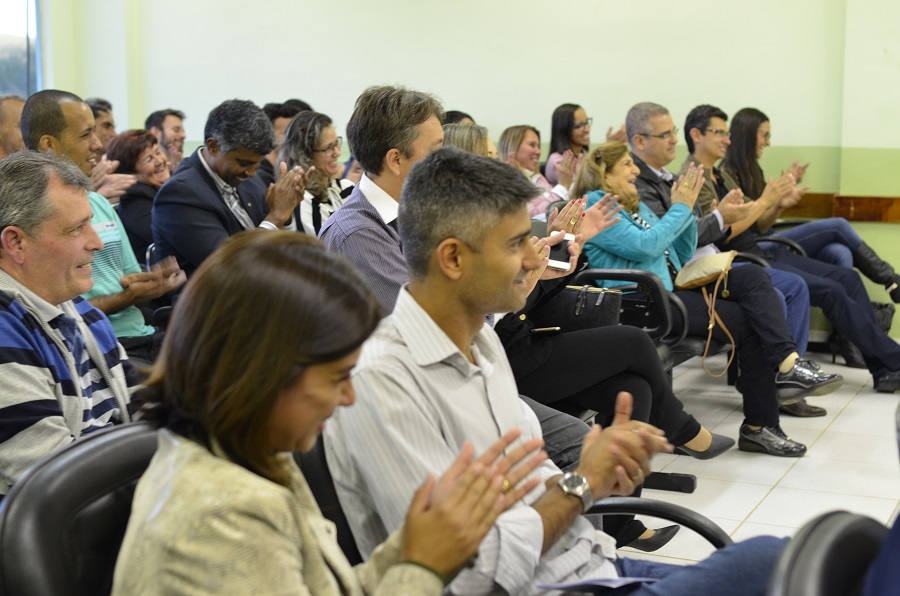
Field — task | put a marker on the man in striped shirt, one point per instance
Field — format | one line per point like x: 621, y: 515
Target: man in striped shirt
x: 434, y: 375
x: 62, y: 372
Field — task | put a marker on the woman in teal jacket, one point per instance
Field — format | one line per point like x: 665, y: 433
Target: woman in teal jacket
x: 752, y: 312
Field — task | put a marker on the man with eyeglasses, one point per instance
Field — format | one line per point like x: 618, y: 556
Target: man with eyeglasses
x: 653, y: 137
x: 837, y: 290
x: 216, y: 193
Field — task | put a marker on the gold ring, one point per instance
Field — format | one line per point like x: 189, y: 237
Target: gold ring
x: 684, y: 185
x: 639, y: 476
x: 573, y: 221
x: 506, y: 486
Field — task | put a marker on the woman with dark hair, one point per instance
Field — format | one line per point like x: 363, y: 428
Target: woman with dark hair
x: 257, y: 359
x: 570, y: 130
x: 457, y: 117
x: 520, y: 146
x: 138, y: 153
x: 832, y: 239
x: 310, y: 140
x: 748, y: 304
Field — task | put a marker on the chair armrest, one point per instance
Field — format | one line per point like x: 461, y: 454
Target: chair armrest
x: 783, y: 224
x: 752, y: 258
x: 677, y: 304
x: 647, y: 283
x: 668, y: 511
x: 786, y: 241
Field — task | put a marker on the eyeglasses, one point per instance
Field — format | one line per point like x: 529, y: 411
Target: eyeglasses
x: 719, y: 132
x: 767, y: 136
x: 664, y: 136
x: 335, y: 146
x: 582, y: 124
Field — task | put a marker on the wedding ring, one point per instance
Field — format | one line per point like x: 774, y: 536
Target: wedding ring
x: 573, y: 221
x: 506, y: 486
x: 639, y: 477
x: 684, y: 185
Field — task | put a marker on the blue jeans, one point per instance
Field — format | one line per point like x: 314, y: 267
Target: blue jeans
x: 831, y: 240
x: 741, y: 569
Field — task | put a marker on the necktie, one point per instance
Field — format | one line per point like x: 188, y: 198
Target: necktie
x: 233, y: 200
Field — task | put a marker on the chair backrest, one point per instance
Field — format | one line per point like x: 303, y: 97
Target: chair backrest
x: 62, y: 524
x: 829, y: 556
x: 318, y: 477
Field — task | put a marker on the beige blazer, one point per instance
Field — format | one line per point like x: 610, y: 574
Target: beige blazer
x: 201, y: 524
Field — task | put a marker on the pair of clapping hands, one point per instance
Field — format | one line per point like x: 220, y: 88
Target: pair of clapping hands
x: 577, y: 219
x: 448, y: 518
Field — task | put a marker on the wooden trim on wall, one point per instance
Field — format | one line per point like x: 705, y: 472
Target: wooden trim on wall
x: 814, y: 205
x: 881, y: 209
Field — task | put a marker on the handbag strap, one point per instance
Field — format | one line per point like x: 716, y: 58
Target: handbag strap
x: 713, y: 320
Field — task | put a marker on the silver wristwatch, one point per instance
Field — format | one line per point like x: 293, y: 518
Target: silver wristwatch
x: 577, y: 485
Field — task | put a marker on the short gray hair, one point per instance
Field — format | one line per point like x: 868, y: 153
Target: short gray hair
x: 639, y: 115
x: 24, y: 178
x: 454, y: 194
x: 240, y: 124
x: 385, y: 118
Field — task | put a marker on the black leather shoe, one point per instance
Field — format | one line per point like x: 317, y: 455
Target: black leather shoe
x: 801, y: 409
x: 771, y: 440
x: 659, y: 539
x: 804, y: 379
x: 887, y: 382
x: 719, y: 445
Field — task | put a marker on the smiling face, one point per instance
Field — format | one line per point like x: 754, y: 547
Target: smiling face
x: 581, y: 131
x: 78, y: 141
x: 301, y: 410
x: 152, y: 167
x: 57, y: 258
x: 620, y: 178
x: 495, y: 278
x: 172, y: 133
x: 528, y: 155
x: 326, y: 157
x: 657, y: 152
x: 714, y: 141
x: 763, y: 138
x: 233, y: 167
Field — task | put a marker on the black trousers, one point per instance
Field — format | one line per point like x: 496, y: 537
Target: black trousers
x: 590, y: 367
x: 754, y: 315
x: 840, y: 293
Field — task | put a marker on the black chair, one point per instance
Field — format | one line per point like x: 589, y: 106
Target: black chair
x: 62, y: 524
x: 315, y: 469
x: 829, y: 556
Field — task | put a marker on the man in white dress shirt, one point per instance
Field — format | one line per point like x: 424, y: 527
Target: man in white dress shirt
x: 435, y: 375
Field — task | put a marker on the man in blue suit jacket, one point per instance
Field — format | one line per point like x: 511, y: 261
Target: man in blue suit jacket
x: 215, y: 192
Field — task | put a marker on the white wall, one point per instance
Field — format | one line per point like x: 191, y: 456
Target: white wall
x: 505, y: 62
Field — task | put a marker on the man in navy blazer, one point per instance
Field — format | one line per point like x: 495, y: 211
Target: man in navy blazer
x: 215, y: 192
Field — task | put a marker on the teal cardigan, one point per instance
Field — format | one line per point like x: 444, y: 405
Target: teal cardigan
x: 629, y: 245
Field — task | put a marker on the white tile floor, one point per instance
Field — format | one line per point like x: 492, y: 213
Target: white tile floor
x: 852, y: 463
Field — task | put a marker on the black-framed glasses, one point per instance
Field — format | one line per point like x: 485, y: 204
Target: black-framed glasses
x: 719, y: 132
x: 332, y: 147
x: 582, y: 124
x: 663, y: 136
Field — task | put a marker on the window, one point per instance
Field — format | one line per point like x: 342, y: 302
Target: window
x: 19, y: 55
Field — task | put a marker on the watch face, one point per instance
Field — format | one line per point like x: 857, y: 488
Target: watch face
x: 574, y: 483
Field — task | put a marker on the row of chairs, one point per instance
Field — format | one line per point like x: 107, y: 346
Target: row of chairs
x: 62, y: 524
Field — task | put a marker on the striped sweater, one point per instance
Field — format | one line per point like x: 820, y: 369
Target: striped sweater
x: 62, y: 374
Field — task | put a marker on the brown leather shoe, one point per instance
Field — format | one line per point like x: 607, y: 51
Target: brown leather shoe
x: 801, y: 409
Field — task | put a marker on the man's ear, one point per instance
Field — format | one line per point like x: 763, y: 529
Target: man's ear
x: 696, y: 135
x: 13, y: 241
x: 212, y: 146
x: 392, y: 161
x: 48, y: 143
x: 449, y: 257
x: 637, y: 143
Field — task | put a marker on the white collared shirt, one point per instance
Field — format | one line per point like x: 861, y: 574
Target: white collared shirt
x: 386, y: 205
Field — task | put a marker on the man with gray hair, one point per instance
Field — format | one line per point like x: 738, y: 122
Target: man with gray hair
x: 434, y: 376
x: 10, y: 114
x: 63, y: 373
x: 390, y: 130
x: 216, y: 192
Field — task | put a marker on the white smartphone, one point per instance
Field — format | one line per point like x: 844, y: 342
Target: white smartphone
x: 559, y: 254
